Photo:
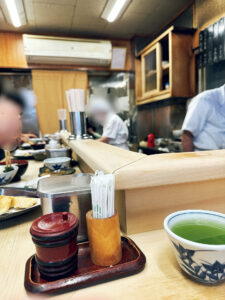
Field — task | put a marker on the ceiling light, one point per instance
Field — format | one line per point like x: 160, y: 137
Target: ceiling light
x: 16, y: 12
x: 114, y: 9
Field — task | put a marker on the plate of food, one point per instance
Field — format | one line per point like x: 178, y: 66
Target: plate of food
x: 22, y: 154
x: 17, y: 201
x: 25, y: 146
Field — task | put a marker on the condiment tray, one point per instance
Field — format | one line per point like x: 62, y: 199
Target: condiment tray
x: 87, y: 274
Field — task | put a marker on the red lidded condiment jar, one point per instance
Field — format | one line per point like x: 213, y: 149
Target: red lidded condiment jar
x: 151, y: 140
x: 55, y: 239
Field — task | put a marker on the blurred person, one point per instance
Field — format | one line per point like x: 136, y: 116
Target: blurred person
x: 11, y: 108
x: 29, y: 118
x: 204, y: 124
x: 115, y: 131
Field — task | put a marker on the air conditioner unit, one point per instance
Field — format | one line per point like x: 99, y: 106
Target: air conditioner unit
x: 51, y: 50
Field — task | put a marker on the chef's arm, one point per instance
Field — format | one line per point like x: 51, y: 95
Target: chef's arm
x: 96, y: 135
x: 104, y: 139
x: 187, y: 141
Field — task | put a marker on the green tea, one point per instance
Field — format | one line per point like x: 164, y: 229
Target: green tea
x: 201, y: 231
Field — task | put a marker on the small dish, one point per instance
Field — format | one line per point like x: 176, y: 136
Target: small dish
x: 12, y: 191
x: 22, y: 154
x: 53, y: 144
x: 36, y: 140
x: 57, y: 163
x: 38, y: 146
x: 7, y: 177
x: 202, y: 262
x: 39, y: 155
x: 46, y: 171
x: 25, y: 146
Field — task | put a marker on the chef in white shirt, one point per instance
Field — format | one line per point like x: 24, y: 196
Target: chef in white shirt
x: 115, y: 131
x: 204, y: 124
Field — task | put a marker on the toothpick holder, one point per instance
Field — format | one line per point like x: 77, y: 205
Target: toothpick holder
x: 78, y: 126
x: 104, y: 239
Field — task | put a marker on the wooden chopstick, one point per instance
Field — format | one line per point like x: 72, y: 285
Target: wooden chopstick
x: 8, y: 158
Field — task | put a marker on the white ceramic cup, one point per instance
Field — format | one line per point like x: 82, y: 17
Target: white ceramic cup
x: 202, y: 262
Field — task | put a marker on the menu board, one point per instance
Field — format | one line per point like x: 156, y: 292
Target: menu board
x: 118, y: 58
x: 221, y: 39
x: 215, y: 42
x: 209, y: 49
x: 212, y: 44
x: 201, y: 38
x: 205, y: 47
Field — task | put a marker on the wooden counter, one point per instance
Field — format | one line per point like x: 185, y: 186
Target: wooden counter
x: 94, y: 155
x: 151, y: 187
x: 160, y: 280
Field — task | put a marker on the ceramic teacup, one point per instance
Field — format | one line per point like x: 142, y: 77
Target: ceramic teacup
x: 202, y: 262
x: 57, y: 163
x: 7, y: 176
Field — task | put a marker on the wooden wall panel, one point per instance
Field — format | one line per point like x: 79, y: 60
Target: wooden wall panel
x: 12, y: 51
x: 147, y: 208
x: 12, y: 55
x: 49, y: 87
x: 208, y: 11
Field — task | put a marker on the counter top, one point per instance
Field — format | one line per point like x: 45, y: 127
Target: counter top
x: 160, y: 280
x: 101, y: 156
x: 148, y: 188
x: 135, y: 170
x: 172, y: 168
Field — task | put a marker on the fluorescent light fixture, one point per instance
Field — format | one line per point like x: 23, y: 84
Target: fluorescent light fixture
x: 16, y: 12
x: 114, y: 9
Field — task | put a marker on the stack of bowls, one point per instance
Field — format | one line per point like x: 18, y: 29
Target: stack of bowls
x: 55, y: 239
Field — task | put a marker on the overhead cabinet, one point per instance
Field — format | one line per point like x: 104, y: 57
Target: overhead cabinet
x: 165, y: 68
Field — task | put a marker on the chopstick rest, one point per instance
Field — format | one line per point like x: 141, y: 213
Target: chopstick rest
x: 104, y: 239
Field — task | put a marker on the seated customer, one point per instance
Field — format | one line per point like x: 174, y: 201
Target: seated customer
x: 11, y: 107
x: 204, y: 124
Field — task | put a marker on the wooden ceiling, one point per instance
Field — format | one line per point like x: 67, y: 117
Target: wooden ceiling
x: 83, y: 17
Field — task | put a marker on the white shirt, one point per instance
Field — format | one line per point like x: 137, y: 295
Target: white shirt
x: 116, y: 131
x: 205, y: 119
